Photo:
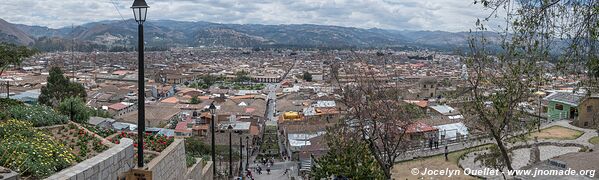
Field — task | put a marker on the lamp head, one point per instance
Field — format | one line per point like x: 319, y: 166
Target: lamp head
x: 140, y: 10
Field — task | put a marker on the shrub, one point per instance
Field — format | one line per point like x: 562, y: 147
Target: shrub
x: 104, y: 132
x: 76, y: 107
x: 189, y: 160
x: 38, y: 115
x: 5, y: 105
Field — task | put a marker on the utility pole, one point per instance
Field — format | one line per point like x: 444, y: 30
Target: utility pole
x: 230, y: 152
x: 240, y: 156
x: 7, y: 89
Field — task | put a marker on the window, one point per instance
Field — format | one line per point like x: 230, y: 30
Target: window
x: 559, y: 107
x: 586, y: 124
x: 589, y: 108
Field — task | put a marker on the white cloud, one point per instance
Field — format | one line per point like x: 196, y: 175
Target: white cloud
x: 447, y: 15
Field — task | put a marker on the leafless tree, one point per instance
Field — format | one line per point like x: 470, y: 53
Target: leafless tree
x: 531, y: 32
x: 377, y: 114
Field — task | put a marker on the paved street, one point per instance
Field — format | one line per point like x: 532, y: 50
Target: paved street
x: 277, y: 171
x: 278, y: 168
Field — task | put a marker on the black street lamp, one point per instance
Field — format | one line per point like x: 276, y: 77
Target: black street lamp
x: 7, y: 89
x: 140, y: 9
x: 230, y: 128
x: 240, y: 155
x: 212, y: 109
x: 247, y: 152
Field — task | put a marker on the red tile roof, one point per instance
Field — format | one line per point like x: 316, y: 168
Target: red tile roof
x: 182, y: 127
x: 419, y: 127
x: 117, y: 106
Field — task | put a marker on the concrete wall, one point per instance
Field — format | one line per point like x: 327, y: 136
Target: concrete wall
x: 207, y: 171
x: 195, y: 171
x: 202, y: 170
x: 170, y: 164
x: 106, y: 165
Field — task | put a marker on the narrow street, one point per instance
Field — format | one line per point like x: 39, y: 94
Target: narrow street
x: 280, y: 166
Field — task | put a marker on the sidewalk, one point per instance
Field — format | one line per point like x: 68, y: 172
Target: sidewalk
x: 409, y: 155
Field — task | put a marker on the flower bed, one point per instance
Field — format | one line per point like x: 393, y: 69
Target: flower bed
x: 151, y: 142
x: 31, y: 152
x: 104, y: 132
x: 83, y: 144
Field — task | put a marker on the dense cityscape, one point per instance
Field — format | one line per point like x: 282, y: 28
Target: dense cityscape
x: 244, y: 107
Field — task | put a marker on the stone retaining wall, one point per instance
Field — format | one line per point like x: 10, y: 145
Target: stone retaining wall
x: 207, y: 171
x: 109, y: 164
x: 195, y: 171
x: 170, y: 164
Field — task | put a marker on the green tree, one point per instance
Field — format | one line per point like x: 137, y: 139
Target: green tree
x: 195, y: 100
x: 99, y: 113
x: 242, y: 76
x: 58, y: 88
x: 11, y: 54
x: 307, y: 76
x: 347, y: 157
x: 75, y: 108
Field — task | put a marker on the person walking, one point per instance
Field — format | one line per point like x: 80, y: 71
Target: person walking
x: 446, y: 153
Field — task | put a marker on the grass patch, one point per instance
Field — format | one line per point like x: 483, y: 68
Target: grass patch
x: 594, y: 140
x: 557, y: 133
x: 402, y: 170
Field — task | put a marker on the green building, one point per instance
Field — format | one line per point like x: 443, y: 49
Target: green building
x: 563, y: 105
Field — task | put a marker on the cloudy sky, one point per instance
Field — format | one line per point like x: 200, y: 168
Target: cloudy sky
x: 446, y: 15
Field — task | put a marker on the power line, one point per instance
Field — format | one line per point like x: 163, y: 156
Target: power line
x: 117, y: 10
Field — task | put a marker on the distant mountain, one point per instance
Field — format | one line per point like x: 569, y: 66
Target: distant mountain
x: 9, y: 33
x: 168, y: 33
x: 40, y: 31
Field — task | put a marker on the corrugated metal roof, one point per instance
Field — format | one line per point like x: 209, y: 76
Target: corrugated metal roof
x: 566, y: 98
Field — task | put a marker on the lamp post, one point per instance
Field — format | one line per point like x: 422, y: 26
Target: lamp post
x: 247, y: 152
x: 240, y: 156
x: 212, y: 109
x: 230, y: 128
x: 7, y: 89
x: 140, y: 9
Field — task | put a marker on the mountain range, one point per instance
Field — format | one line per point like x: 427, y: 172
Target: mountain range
x: 114, y: 34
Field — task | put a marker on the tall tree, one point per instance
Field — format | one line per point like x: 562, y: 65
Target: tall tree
x: 242, y: 76
x: 307, y: 76
x: 348, y: 157
x: 379, y: 116
x: 58, y: 88
x: 75, y: 108
x: 11, y: 54
x: 195, y: 100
